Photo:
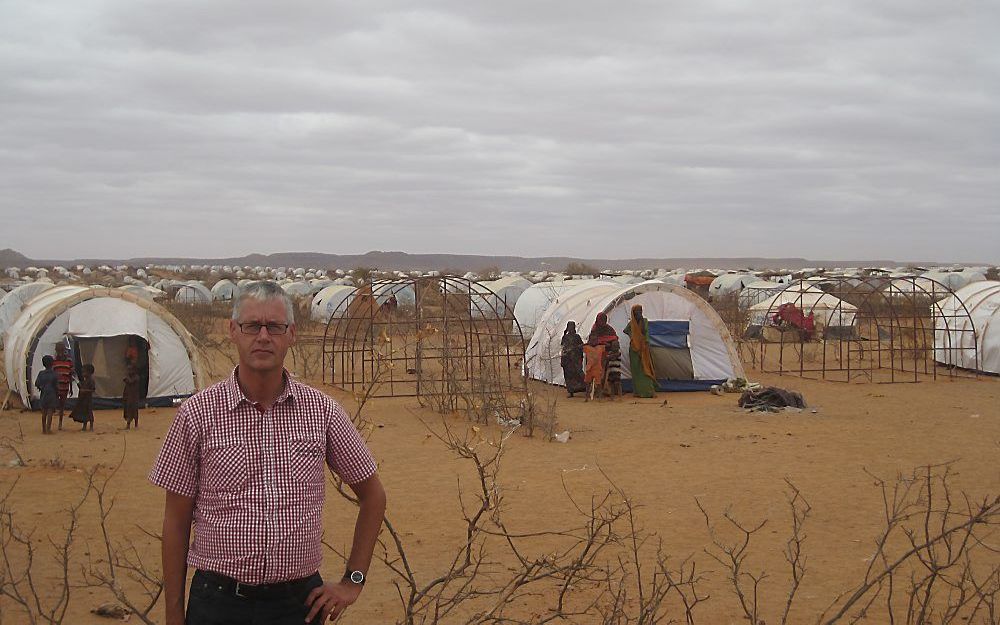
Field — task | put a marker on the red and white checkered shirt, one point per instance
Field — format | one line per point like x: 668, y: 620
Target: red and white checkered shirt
x: 257, y: 477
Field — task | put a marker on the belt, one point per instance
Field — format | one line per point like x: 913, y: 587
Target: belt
x: 230, y: 586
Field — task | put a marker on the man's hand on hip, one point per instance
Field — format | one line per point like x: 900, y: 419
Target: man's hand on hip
x: 331, y: 599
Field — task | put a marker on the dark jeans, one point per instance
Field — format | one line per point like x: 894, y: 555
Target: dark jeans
x: 209, y: 606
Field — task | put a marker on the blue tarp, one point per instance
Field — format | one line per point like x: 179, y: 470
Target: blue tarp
x: 669, y: 334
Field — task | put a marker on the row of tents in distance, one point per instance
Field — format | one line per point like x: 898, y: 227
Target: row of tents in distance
x: 691, y: 343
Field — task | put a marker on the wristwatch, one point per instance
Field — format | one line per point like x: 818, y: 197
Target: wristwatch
x: 355, y: 577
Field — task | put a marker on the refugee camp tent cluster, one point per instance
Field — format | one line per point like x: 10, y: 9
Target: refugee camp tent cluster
x: 496, y: 296
x: 691, y: 346
x: 97, y: 324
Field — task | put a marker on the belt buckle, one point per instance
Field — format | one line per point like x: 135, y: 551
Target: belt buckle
x: 238, y: 591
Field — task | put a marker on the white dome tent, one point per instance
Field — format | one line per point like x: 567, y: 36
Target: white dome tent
x: 970, y: 341
x: 955, y: 280
x: 147, y: 292
x: 692, y: 348
x: 193, y: 292
x: 494, y: 295
x: 925, y: 286
x: 328, y: 300
x: 626, y: 279
x: 729, y: 284
x: 335, y: 299
x: 758, y: 291
x: 14, y: 302
x: 225, y: 291
x: 299, y: 289
x: 538, y: 297
x: 403, y: 291
x: 99, y: 324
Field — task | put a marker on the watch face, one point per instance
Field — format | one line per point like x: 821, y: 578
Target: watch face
x: 357, y: 577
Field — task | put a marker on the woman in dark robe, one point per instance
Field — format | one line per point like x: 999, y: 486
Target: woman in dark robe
x: 572, y: 360
x: 601, y: 333
x: 639, y: 357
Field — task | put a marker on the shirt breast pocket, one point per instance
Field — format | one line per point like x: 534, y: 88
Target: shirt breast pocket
x: 306, y: 458
x: 225, y: 468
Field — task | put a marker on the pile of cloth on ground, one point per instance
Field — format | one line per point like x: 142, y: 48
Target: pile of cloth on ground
x: 770, y: 399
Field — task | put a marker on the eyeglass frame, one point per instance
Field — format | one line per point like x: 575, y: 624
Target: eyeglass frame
x: 268, y: 326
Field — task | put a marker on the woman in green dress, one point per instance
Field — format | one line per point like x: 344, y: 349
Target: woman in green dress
x: 639, y: 357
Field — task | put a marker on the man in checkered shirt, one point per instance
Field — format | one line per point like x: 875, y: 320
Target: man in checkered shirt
x: 243, y: 463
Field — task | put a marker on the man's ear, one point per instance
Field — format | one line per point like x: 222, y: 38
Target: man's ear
x: 233, y: 329
x: 291, y: 331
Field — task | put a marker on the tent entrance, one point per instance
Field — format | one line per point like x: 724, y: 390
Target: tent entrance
x: 108, y: 356
x: 671, y: 350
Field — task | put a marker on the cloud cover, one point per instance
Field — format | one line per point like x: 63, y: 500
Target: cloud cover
x: 838, y: 129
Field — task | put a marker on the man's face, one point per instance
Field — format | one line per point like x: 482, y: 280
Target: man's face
x: 60, y: 350
x: 262, y: 352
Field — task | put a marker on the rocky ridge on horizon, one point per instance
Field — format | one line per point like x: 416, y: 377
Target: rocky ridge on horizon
x: 404, y: 261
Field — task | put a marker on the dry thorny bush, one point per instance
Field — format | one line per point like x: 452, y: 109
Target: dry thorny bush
x: 933, y: 562
x: 27, y: 595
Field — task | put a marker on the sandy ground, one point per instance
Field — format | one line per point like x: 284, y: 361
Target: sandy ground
x: 697, y: 445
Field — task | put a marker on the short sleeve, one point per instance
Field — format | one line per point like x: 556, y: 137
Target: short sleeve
x: 346, y: 452
x: 176, y: 468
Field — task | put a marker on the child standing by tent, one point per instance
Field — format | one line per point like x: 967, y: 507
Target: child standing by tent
x: 47, y: 383
x: 130, y: 398
x: 613, y: 369
x: 83, y: 412
x: 62, y: 364
x: 594, y: 372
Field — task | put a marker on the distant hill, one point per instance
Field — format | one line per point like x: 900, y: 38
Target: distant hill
x: 458, y: 262
x: 12, y: 258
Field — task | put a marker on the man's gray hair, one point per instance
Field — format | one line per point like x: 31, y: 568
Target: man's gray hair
x: 263, y: 290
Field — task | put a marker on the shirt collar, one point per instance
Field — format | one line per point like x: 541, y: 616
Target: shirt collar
x: 235, y: 394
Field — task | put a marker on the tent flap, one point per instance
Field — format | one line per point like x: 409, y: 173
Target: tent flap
x: 669, y: 334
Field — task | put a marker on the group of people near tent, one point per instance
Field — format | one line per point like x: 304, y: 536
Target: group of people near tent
x: 596, y: 364
x: 55, y: 383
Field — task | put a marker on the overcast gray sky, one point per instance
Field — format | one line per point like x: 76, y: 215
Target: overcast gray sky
x: 825, y: 129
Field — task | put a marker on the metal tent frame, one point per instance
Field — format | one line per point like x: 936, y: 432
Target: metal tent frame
x: 890, y: 330
x: 458, y: 342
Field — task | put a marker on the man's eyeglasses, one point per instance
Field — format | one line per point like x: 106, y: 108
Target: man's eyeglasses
x: 252, y: 327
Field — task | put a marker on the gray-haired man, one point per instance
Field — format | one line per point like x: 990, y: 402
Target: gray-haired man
x: 244, y: 462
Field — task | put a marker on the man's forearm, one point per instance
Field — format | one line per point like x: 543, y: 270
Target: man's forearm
x: 176, y: 538
x: 371, y: 512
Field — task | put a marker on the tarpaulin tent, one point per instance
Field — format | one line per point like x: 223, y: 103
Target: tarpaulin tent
x: 14, y: 302
x: 538, y: 297
x: 970, y: 341
x: 692, y: 348
x: 97, y: 324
